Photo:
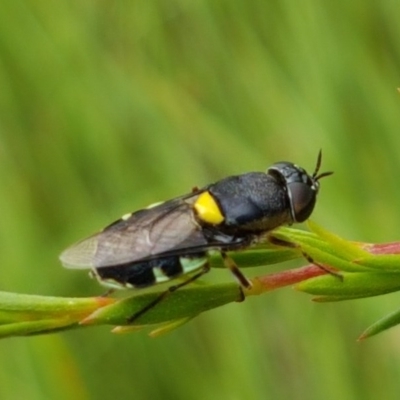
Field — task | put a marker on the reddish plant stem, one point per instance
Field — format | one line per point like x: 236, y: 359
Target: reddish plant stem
x: 290, y: 277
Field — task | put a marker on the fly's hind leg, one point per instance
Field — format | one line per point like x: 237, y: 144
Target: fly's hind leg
x: 171, y: 289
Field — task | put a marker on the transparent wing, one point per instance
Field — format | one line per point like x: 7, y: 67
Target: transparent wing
x: 166, y: 228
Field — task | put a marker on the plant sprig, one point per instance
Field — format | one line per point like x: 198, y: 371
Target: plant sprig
x: 356, y: 270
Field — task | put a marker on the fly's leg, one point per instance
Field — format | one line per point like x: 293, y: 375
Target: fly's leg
x: 108, y: 293
x: 231, y: 265
x: 279, y: 242
x: 330, y: 271
x: 167, y: 292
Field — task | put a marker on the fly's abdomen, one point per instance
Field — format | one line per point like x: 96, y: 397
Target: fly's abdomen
x: 147, y: 273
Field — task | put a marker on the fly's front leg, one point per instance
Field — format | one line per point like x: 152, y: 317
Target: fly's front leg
x: 108, y: 293
x: 279, y: 242
x: 328, y: 270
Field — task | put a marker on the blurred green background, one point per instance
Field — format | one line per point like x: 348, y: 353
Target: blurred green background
x: 107, y: 106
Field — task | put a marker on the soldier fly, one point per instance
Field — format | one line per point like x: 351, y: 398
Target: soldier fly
x: 176, y: 237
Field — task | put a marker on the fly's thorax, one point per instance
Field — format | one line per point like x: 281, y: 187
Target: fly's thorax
x: 252, y: 202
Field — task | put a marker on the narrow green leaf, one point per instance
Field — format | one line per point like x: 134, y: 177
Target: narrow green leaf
x: 344, y: 248
x: 382, y: 262
x: 22, y: 314
x: 184, y: 303
x: 383, y: 324
x: 353, y: 285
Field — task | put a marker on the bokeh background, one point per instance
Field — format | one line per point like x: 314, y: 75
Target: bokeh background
x: 107, y: 106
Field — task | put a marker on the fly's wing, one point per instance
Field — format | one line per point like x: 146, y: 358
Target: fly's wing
x: 166, y: 228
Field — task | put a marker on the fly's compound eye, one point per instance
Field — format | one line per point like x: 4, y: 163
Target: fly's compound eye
x: 302, y: 197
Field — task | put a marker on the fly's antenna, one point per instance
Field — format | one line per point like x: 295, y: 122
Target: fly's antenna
x: 315, y: 175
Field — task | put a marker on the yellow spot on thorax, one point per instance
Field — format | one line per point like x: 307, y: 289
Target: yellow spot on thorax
x: 207, y: 209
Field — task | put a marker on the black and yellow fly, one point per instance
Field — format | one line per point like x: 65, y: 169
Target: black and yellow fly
x: 176, y: 237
